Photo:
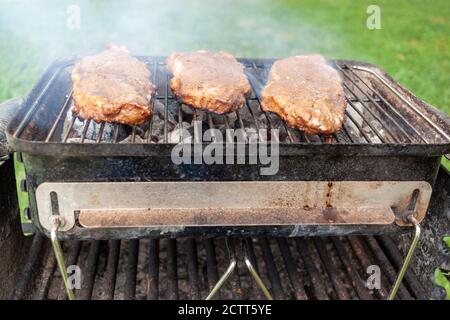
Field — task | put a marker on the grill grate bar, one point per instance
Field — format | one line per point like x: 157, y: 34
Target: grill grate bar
x: 180, y: 121
x: 131, y: 270
x: 150, y: 126
x: 211, y: 266
x: 32, y: 260
x: 85, y: 129
x: 192, y: 266
x: 171, y: 268
x: 109, y: 279
x: 272, y: 271
x: 294, y: 276
x: 211, y: 125
x: 153, y: 267
x: 44, y: 285
x: 252, y: 114
x: 133, y: 134
x: 166, y: 109
x: 197, y: 126
x: 100, y: 132
x: 64, y: 109
x: 316, y: 281
x: 66, y: 136
x: 89, y: 274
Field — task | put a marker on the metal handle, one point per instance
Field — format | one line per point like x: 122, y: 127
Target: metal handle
x: 255, y: 274
x: 226, y: 275
x: 408, y: 258
x: 232, y: 266
x: 56, y: 222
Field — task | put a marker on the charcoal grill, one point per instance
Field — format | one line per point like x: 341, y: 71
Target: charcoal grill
x: 108, y: 181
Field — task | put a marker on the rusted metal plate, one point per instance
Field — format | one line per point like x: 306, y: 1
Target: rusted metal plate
x: 232, y: 216
x: 237, y: 203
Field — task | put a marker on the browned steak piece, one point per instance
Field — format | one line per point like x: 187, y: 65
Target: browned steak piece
x: 306, y: 93
x: 112, y: 86
x: 208, y: 80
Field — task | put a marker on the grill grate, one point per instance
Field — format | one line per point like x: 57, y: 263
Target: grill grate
x: 187, y: 268
x: 376, y: 114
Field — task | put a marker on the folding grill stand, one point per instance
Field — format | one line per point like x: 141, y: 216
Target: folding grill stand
x: 408, y: 258
x: 232, y: 267
x: 408, y: 217
x: 56, y: 222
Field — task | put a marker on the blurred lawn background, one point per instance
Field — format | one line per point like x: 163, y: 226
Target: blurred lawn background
x: 413, y: 44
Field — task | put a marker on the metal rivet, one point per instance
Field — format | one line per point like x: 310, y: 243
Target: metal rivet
x: 23, y: 185
x: 27, y: 213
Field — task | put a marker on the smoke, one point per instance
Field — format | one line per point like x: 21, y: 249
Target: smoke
x: 33, y: 33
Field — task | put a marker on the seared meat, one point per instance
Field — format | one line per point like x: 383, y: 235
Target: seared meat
x: 306, y: 93
x: 112, y: 86
x: 208, y: 80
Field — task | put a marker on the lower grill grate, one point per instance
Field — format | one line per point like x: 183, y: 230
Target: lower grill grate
x: 188, y: 268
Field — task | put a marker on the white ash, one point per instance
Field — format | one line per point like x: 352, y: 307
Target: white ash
x: 181, y: 134
x: 91, y: 133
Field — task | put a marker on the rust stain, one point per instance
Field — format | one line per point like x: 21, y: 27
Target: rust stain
x: 329, y: 194
x: 93, y: 199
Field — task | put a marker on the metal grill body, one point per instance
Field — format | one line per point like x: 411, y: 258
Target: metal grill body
x: 388, y: 135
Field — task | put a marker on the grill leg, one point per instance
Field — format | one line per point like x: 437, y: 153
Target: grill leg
x: 226, y: 275
x: 232, y: 267
x: 257, y: 278
x: 59, y: 256
x: 407, y: 260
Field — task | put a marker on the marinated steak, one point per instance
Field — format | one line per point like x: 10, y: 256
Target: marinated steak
x: 112, y: 86
x: 306, y: 93
x: 208, y: 80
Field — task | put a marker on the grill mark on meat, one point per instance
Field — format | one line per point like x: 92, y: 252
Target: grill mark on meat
x: 208, y: 80
x: 306, y: 93
x: 112, y: 86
